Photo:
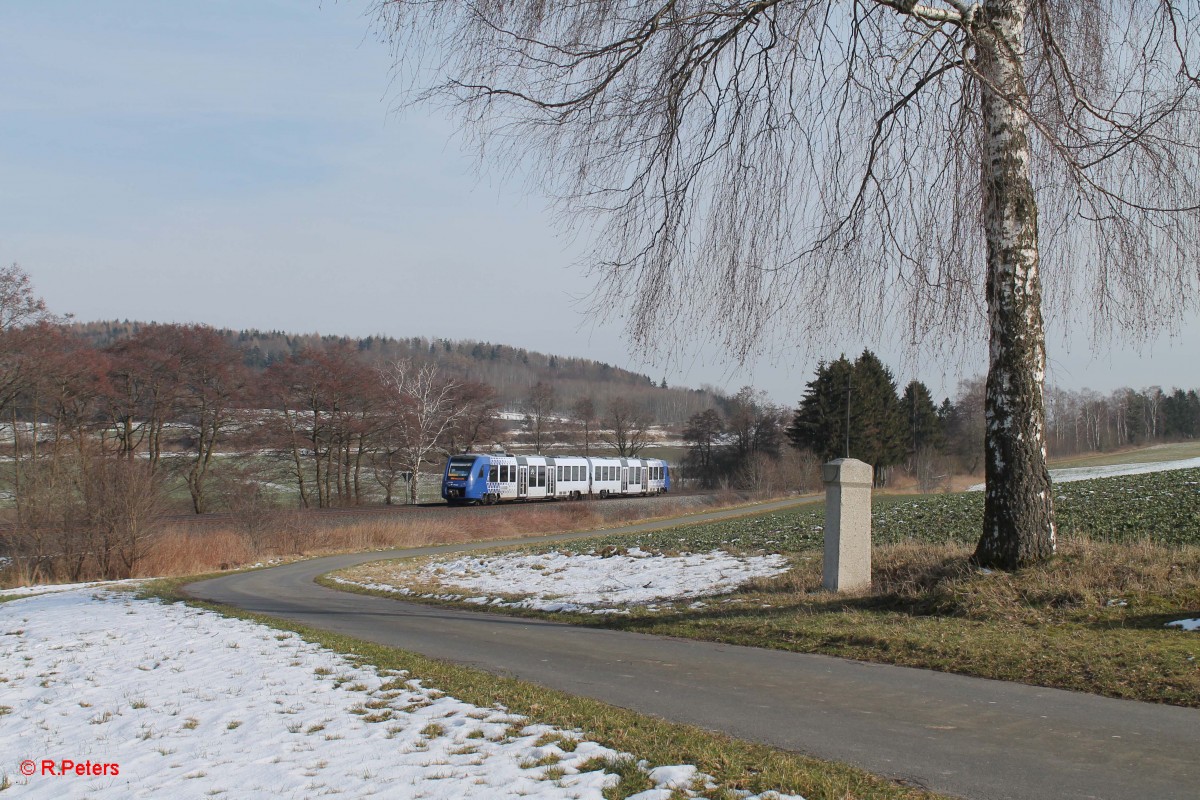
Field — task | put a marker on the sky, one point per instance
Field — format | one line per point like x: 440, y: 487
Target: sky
x: 247, y: 165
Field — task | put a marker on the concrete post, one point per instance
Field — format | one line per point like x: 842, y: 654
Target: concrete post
x: 847, y: 525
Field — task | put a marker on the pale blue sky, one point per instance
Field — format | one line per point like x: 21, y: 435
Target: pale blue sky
x: 241, y: 164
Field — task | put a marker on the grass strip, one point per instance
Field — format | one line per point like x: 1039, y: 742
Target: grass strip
x: 736, y: 765
x: 1089, y: 620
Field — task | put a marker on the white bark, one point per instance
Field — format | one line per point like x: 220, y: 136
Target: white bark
x: 1018, y: 512
x: 427, y: 409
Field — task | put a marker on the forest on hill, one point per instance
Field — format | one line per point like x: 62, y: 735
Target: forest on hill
x: 510, y: 371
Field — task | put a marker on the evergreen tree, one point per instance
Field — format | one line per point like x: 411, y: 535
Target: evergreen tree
x: 1181, y: 415
x: 876, y: 420
x: 864, y: 393
x: 819, y: 423
x: 922, y: 422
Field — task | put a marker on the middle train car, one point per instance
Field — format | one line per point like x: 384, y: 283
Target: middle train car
x: 486, y: 479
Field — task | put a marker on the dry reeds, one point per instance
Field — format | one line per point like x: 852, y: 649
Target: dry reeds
x: 219, y: 543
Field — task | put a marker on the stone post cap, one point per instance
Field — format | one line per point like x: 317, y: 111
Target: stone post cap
x: 848, y: 472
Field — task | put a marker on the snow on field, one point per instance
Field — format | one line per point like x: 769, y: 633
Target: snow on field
x: 155, y: 700
x: 23, y: 591
x: 595, y: 583
x: 1112, y: 471
x: 1186, y: 624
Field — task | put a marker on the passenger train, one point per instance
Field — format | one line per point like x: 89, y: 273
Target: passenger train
x: 487, y: 479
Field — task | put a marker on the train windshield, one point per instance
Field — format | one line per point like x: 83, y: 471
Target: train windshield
x: 460, y: 468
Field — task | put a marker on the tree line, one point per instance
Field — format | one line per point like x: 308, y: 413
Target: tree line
x: 511, y: 371
x: 856, y: 409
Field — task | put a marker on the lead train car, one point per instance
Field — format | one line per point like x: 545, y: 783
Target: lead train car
x: 488, y: 479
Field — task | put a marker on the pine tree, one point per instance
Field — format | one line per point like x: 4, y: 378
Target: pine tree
x: 863, y: 393
x: 819, y: 423
x: 877, y: 425
x: 922, y: 424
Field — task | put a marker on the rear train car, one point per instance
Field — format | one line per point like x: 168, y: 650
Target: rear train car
x: 485, y: 479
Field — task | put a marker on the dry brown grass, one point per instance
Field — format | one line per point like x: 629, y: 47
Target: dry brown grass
x: 189, y: 549
x: 1092, y: 619
x: 1085, y: 582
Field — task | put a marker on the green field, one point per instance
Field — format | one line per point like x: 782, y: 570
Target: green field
x: 1092, y: 619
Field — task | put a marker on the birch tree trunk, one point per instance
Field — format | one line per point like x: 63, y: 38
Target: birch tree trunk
x: 1018, y: 508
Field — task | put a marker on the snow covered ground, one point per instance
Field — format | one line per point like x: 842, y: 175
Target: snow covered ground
x: 153, y: 700
x: 555, y: 581
x: 1112, y: 471
x: 24, y: 591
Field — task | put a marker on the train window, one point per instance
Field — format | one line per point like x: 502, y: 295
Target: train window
x: 541, y: 476
x: 460, y: 468
x: 494, y: 474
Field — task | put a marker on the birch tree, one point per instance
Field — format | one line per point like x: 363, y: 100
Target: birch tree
x: 424, y: 408
x: 800, y: 167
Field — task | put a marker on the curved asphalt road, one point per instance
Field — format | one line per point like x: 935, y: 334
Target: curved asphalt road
x: 965, y: 736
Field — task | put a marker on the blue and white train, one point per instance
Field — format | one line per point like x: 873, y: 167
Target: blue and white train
x: 488, y: 479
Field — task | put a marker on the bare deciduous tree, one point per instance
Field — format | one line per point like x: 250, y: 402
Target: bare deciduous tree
x: 877, y: 163
x: 628, y: 428
x: 425, y: 408
x: 539, y: 413
x: 584, y: 412
x: 211, y: 380
x: 479, y: 423
x: 19, y: 306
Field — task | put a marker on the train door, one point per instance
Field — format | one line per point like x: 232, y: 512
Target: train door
x: 522, y: 481
x: 624, y: 479
x: 550, y: 470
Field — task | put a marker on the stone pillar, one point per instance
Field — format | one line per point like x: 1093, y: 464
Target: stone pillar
x: 847, y: 525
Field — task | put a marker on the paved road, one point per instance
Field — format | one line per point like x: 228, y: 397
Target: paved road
x: 963, y: 736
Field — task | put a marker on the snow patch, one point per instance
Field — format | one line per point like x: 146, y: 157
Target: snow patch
x: 1111, y: 471
x: 50, y: 588
x: 588, y: 583
x: 191, y: 704
x: 1185, y: 624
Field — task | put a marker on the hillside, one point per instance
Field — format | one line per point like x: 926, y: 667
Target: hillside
x: 510, y: 370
